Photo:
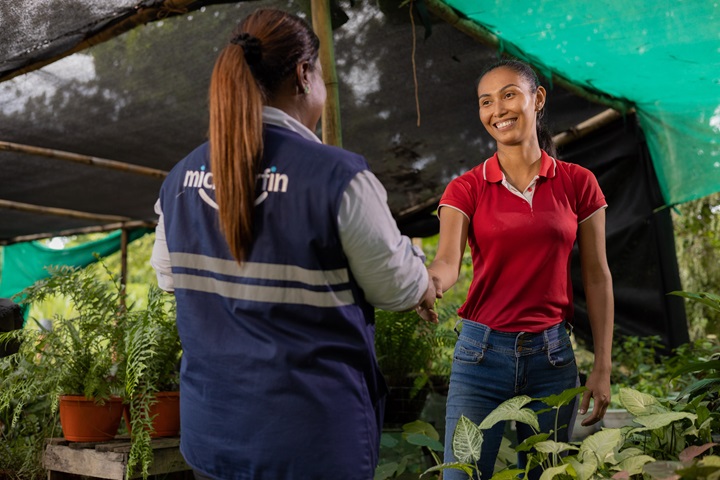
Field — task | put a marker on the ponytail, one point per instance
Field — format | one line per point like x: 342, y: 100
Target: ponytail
x: 264, y: 51
x: 545, y: 138
x: 235, y: 146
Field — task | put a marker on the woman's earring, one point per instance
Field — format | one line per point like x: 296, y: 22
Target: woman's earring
x: 307, y: 89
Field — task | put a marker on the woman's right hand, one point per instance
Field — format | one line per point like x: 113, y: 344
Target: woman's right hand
x: 426, y: 308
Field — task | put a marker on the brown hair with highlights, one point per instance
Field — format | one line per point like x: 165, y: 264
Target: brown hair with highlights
x: 264, y: 50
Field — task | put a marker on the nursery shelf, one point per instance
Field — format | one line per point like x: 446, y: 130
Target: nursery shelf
x: 108, y: 460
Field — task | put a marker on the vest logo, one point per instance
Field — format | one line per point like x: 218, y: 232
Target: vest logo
x: 270, y: 181
x: 201, y: 180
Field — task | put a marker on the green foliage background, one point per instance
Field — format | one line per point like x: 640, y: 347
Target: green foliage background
x: 140, y: 273
x: 697, y: 242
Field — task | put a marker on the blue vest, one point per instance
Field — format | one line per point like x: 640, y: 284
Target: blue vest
x: 279, y: 378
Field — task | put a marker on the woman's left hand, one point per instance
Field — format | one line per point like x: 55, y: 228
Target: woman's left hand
x: 598, y: 388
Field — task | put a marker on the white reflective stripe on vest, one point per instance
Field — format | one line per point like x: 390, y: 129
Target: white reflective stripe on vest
x: 262, y: 271
x: 262, y: 293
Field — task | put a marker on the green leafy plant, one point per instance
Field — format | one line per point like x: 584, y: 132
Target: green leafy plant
x: 689, y: 365
x: 81, y: 354
x: 24, y: 428
x: 704, y: 359
x: 407, y: 349
x: 153, y: 352
x: 669, y: 439
x: 97, y: 348
x: 404, y: 346
x: 677, y: 435
x: 697, y: 242
x: 405, y: 454
x: 407, y: 346
x: 638, y: 364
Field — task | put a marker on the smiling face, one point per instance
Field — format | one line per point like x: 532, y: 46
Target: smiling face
x: 508, y: 104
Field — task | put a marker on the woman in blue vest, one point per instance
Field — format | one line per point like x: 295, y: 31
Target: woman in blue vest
x: 277, y: 249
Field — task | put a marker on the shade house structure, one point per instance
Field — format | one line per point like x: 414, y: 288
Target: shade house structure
x: 100, y: 98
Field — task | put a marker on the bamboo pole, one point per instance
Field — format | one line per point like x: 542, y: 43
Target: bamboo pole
x: 419, y: 207
x: 331, y: 128
x: 123, y: 266
x: 588, y: 126
x: 84, y: 159
x: 61, y: 212
x: 80, y: 231
x: 481, y: 34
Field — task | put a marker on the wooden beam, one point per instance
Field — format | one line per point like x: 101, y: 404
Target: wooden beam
x: 419, y: 207
x: 84, y: 159
x: 61, y: 212
x: 481, y: 34
x: 331, y: 127
x: 109, y: 227
x: 84, y: 461
x: 590, y: 125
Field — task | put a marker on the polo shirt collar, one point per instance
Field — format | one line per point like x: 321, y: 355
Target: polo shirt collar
x: 493, y: 173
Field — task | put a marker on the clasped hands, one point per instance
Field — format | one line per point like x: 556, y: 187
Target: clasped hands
x: 426, y: 307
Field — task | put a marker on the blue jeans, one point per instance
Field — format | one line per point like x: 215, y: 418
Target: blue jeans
x: 490, y: 367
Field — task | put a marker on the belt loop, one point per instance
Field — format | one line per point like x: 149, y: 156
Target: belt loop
x: 488, y: 330
x: 569, y: 327
x: 546, y: 337
x: 457, y: 332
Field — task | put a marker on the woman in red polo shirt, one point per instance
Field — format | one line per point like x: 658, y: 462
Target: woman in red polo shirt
x: 521, y: 212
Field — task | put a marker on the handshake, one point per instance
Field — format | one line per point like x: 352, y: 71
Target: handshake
x: 426, y: 307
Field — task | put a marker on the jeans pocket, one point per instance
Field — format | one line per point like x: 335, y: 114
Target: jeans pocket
x: 469, y: 353
x: 561, y: 355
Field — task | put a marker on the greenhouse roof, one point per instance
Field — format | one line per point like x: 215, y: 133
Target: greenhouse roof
x: 126, y: 81
x: 99, y: 98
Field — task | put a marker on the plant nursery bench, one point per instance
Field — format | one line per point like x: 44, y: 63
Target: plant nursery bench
x: 66, y: 460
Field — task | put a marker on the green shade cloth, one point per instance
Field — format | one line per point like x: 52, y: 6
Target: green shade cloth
x: 663, y: 57
x: 25, y: 263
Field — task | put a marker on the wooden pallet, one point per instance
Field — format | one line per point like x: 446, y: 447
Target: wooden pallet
x: 64, y: 460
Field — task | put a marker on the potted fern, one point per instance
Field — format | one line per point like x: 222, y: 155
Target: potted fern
x: 153, y: 353
x: 78, y: 362
x: 98, y: 356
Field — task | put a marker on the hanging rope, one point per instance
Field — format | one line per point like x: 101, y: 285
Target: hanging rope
x: 414, y: 66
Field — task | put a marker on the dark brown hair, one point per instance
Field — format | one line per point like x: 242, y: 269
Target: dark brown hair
x: 524, y: 70
x: 263, y: 52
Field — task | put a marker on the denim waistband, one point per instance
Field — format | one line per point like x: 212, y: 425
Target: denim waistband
x: 519, y: 342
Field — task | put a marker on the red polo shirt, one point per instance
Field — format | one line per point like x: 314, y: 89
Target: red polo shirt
x: 521, y: 241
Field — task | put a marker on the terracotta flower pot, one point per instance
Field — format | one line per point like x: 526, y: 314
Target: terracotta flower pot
x: 165, y: 414
x: 82, y: 420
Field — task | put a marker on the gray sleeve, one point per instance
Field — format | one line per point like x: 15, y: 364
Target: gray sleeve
x: 160, y: 259
x: 385, y: 264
